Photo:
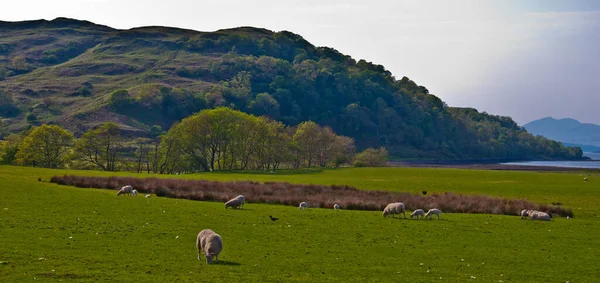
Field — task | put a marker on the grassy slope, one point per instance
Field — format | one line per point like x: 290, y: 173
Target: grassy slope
x: 134, y: 239
x: 108, y: 65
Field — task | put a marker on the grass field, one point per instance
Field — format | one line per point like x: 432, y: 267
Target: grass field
x: 144, y: 240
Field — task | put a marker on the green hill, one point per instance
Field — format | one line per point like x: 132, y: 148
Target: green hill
x: 78, y: 74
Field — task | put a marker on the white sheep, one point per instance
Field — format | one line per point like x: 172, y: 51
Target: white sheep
x: 125, y: 190
x: 524, y: 213
x: 210, y: 243
x: 585, y: 179
x: 336, y: 206
x: 134, y: 192
x: 539, y: 215
x: 235, y: 202
x: 303, y: 205
x: 419, y: 213
x: 148, y: 196
x: 242, y: 199
x: 432, y: 212
x: 394, y: 208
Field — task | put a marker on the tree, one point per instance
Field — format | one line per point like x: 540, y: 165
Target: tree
x: 152, y: 159
x: 9, y: 148
x: 170, y: 157
x: 7, y: 108
x: 344, y: 150
x: 19, y: 63
x: 46, y: 146
x: 156, y: 131
x: 273, y: 146
x: 120, y: 99
x: 142, y: 152
x: 371, y: 157
x: 307, y: 137
x: 265, y: 104
x: 100, y: 146
x: 31, y: 118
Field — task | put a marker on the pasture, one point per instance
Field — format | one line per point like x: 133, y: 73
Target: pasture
x: 52, y: 233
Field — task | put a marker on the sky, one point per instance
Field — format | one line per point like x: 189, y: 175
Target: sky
x: 526, y: 59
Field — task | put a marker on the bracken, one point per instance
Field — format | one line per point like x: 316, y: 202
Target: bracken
x: 316, y: 195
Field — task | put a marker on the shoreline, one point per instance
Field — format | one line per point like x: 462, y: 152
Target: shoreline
x: 488, y: 166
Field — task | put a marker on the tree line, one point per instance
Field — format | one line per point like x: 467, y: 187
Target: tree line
x: 216, y: 139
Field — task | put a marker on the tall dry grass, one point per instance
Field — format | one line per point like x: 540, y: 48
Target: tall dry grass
x: 316, y: 195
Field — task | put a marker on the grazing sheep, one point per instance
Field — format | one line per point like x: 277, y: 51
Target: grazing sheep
x: 433, y: 211
x: 585, y: 179
x: 394, y: 208
x: 524, y: 213
x: 243, y: 199
x: 336, y: 206
x: 125, y: 190
x: 303, y: 205
x: 148, y: 196
x: 235, y: 202
x: 210, y: 243
x: 419, y: 214
x: 134, y: 192
x: 539, y: 215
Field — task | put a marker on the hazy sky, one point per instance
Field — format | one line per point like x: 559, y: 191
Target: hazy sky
x: 526, y: 59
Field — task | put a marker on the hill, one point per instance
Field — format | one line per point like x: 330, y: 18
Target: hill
x: 78, y: 74
x: 567, y: 130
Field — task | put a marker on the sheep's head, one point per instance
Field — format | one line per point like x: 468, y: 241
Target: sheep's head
x: 209, y: 257
x: 385, y: 213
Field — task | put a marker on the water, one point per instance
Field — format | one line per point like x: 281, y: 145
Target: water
x: 592, y: 155
x: 594, y: 163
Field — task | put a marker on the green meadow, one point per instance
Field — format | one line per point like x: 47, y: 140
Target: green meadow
x: 52, y: 233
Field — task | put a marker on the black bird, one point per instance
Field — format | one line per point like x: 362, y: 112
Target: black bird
x: 273, y: 218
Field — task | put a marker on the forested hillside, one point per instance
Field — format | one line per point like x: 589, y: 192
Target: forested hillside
x: 79, y: 75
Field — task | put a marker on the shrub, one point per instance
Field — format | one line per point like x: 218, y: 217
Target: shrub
x: 371, y: 157
x: 30, y: 117
x: 120, y: 99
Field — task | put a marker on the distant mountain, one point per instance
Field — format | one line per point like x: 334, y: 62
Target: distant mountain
x: 78, y: 74
x: 566, y: 130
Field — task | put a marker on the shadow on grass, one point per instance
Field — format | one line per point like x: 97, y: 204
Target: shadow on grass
x: 228, y: 263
